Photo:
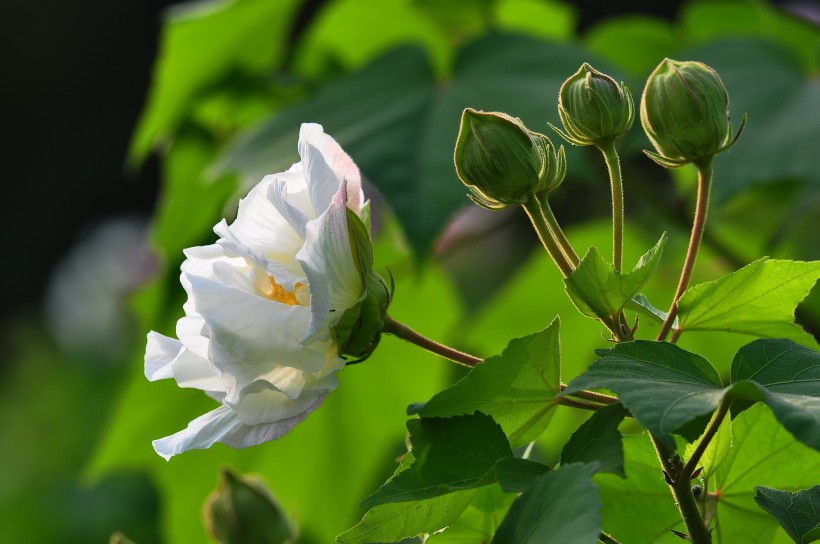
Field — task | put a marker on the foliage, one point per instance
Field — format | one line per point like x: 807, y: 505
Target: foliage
x: 494, y: 456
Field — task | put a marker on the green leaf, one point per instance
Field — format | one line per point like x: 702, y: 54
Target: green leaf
x: 598, y: 440
x: 515, y: 475
x: 666, y: 387
x: 200, y: 43
x: 450, y: 454
x: 394, y: 521
x: 479, y: 521
x: 662, y: 385
x: 517, y: 388
x: 798, y: 513
x: 638, y: 509
x: 762, y: 453
x: 642, y: 305
x: 598, y: 290
x: 787, y: 377
x: 561, y: 507
x: 758, y: 299
x: 716, y: 451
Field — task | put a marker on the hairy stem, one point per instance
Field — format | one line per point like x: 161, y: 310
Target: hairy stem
x: 714, y: 424
x: 558, y: 233
x: 613, y: 165
x: 681, y: 488
x: 566, y: 401
x: 698, y: 225
x: 400, y: 330
x: 547, y: 237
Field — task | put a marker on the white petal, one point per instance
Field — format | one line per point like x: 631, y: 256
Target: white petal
x: 264, y: 404
x: 296, y: 218
x: 333, y: 276
x: 191, y: 370
x: 260, y: 226
x: 250, y: 335
x: 160, y: 351
x: 224, y: 426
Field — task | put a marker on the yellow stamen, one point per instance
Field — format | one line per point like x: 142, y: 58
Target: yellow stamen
x: 280, y: 294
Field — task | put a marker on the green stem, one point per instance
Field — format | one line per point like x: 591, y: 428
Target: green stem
x: 545, y: 234
x: 698, y: 225
x: 566, y: 401
x: 400, y: 330
x: 558, y: 233
x: 681, y: 489
x: 591, y: 395
x: 613, y: 165
x: 714, y: 425
x: 606, y: 539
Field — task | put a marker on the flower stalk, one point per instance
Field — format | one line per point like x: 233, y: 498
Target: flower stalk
x: 698, y: 225
x: 613, y: 165
x: 400, y: 330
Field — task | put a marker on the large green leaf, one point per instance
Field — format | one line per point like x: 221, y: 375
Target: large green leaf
x: 392, y: 522
x: 399, y: 124
x: 598, y: 440
x: 787, y: 377
x: 598, y: 290
x: 798, y: 513
x: 716, y: 451
x: 449, y: 454
x: 763, y: 453
x: 665, y: 387
x: 561, y: 507
x: 200, y: 43
x: 517, y: 388
x: 662, y: 385
x: 758, y: 299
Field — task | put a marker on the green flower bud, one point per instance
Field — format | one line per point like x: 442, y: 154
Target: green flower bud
x: 594, y: 107
x: 685, y: 113
x: 502, y: 162
x: 241, y: 510
x: 358, y: 331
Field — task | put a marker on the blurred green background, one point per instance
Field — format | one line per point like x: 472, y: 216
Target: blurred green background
x: 137, y: 125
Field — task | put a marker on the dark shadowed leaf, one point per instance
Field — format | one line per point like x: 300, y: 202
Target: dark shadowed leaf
x: 798, y: 513
x: 598, y: 440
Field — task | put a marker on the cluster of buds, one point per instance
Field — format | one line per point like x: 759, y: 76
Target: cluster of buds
x: 684, y: 112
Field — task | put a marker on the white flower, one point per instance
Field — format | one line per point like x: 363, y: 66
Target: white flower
x: 257, y: 335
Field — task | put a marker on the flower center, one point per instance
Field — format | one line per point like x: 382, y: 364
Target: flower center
x: 280, y: 294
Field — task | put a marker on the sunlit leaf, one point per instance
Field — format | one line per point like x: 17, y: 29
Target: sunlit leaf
x: 598, y: 290
x: 516, y: 388
x: 479, y: 521
x: 758, y: 299
x: 763, y: 453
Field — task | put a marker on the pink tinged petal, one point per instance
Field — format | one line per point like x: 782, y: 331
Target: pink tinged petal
x: 160, y: 351
x: 333, y: 276
x: 326, y: 165
x: 224, y: 426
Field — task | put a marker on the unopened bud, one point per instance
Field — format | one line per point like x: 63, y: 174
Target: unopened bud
x: 594, y: 108
x: 241, y: 511
x: 502, y: 162
x: 684, y: 112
